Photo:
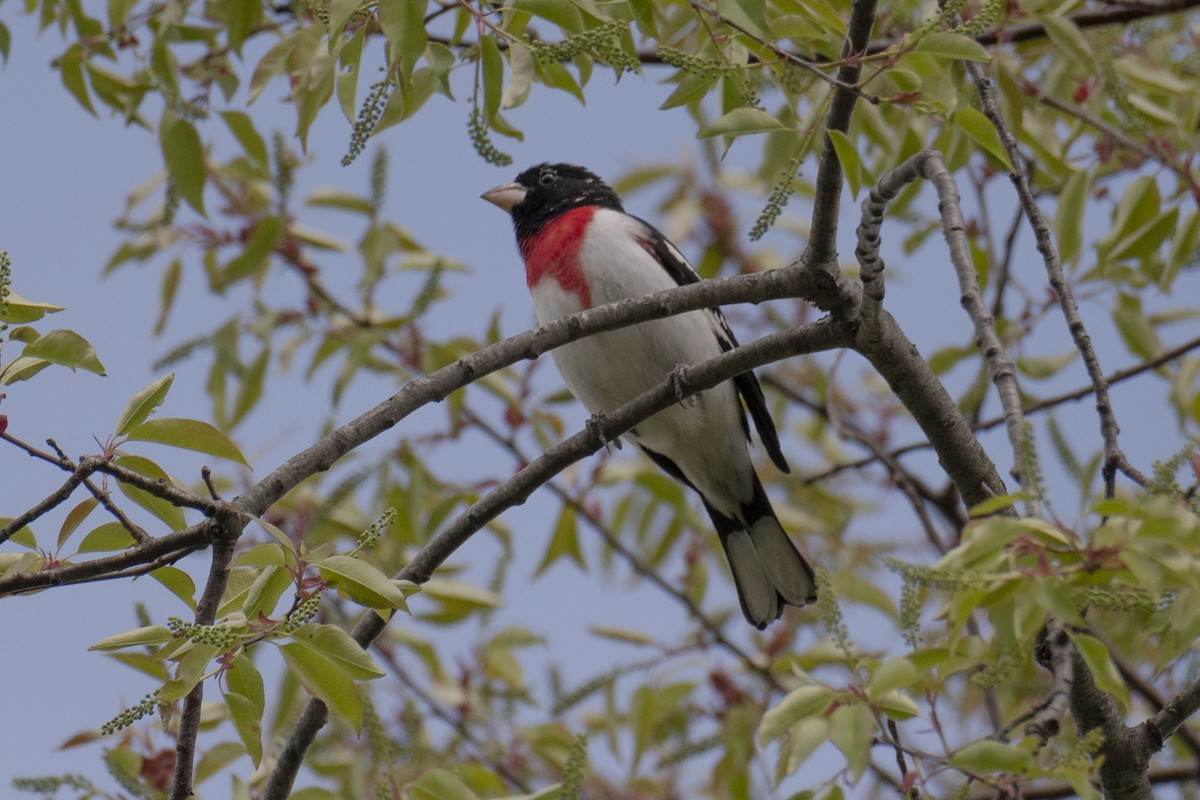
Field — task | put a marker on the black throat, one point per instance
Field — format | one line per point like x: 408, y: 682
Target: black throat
x: 554, y: 189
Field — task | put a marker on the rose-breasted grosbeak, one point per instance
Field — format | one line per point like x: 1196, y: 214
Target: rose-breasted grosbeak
x: 582, y: 250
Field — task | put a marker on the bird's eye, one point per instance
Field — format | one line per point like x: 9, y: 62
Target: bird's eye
x: 547, y: 178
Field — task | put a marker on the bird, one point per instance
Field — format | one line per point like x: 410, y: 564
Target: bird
x: 581, y: 249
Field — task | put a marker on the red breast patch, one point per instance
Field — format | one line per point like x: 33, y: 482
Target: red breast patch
x: 553, y: 252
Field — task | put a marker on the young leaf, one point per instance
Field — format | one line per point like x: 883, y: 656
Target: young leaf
x: 340, y: 648
x: 22, y: 310
x: 848, y: 156
x: 149, y: 635
x: 739, y: 122
x: 323, y: 680
x: 74, y: 518
x: 799, y: 703
x: 65, y: 347
x: 954, y: 46
x: 142, y: 404
x: 361, y: 582
x: 183, y: 153
x: 188, y: 434
x: 247, y: 721
x: 982, y: 132
x: 109, y: 536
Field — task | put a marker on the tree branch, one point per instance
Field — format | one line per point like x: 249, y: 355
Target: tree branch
x: 684, y: 382
x: 1114, y: 458
x: 1108, y: 14
x: 229, y: 526
x: 928, y: 164
x: 821, y: 252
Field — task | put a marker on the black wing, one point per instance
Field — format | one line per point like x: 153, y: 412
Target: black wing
x: 747, y: 384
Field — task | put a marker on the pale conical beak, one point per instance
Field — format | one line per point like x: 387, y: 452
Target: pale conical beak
x: 506, y: 196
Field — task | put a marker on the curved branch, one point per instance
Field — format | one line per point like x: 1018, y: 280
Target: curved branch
x: 928, y: 164
x: 1114, y: 458
x: 684, y: 382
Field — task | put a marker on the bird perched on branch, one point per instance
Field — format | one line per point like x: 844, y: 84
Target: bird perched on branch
x: 581, y: 249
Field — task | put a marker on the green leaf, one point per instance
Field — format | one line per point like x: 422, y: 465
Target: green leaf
x: 1146, y: 240
x: 263, y: 595
x: 563, y: 542
x: 805, y: 701
x: 178, y: 583
x: 143, y: 404
x: 625, y: 635
x: 74, y: 518
x: 70, y: 65
x: 492, y: 65
x: 851, y: 728
x: 1069, y: 215
x: 191, y: 669
x: 1139, y: 335
x: 188, y: 434
x: 847, y: 155
x: 988, y: 756
x: 362, y: 582
x: 328, y: 197
x: 247, y: 721
x: 245, y: 679
x: 183, y: 154
x: 65, y: 347
x: 321, y: 678
x: 894, y: 673
x: 802, y: 741
x: 520, y: 76
x: 691, y: 89
x: 1183, y: 250
x: 954, y: 46
x: 1067, y: 37
x: 981, y: 131
x: 22, y: 310
x: 252, y: 261
x: 1099, y: 661
x: 242, y: 128
x: 741, y: 121
x: 241, y: 19
x: 404, y: 26
x: 164, y: 510
x: 148, y: 636
x: 439, y: 784
x: 109, y: 536
x: 340, y: 648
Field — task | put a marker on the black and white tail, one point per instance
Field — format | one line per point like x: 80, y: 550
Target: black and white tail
x: 768, y: 570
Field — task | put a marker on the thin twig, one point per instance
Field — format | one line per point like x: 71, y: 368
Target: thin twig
x: 1114, y: 458
x: 821, y: 251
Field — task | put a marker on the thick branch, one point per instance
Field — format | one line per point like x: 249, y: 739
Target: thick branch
x: 928, y: 164
x: 684, y: 382
x: 1126, y: 751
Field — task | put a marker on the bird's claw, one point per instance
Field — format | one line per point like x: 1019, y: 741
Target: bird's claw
x: 677, y: 378
x: 595, y: 425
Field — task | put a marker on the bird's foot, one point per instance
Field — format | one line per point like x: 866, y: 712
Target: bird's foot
x: 595, y: 425
x: 677, y: 378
